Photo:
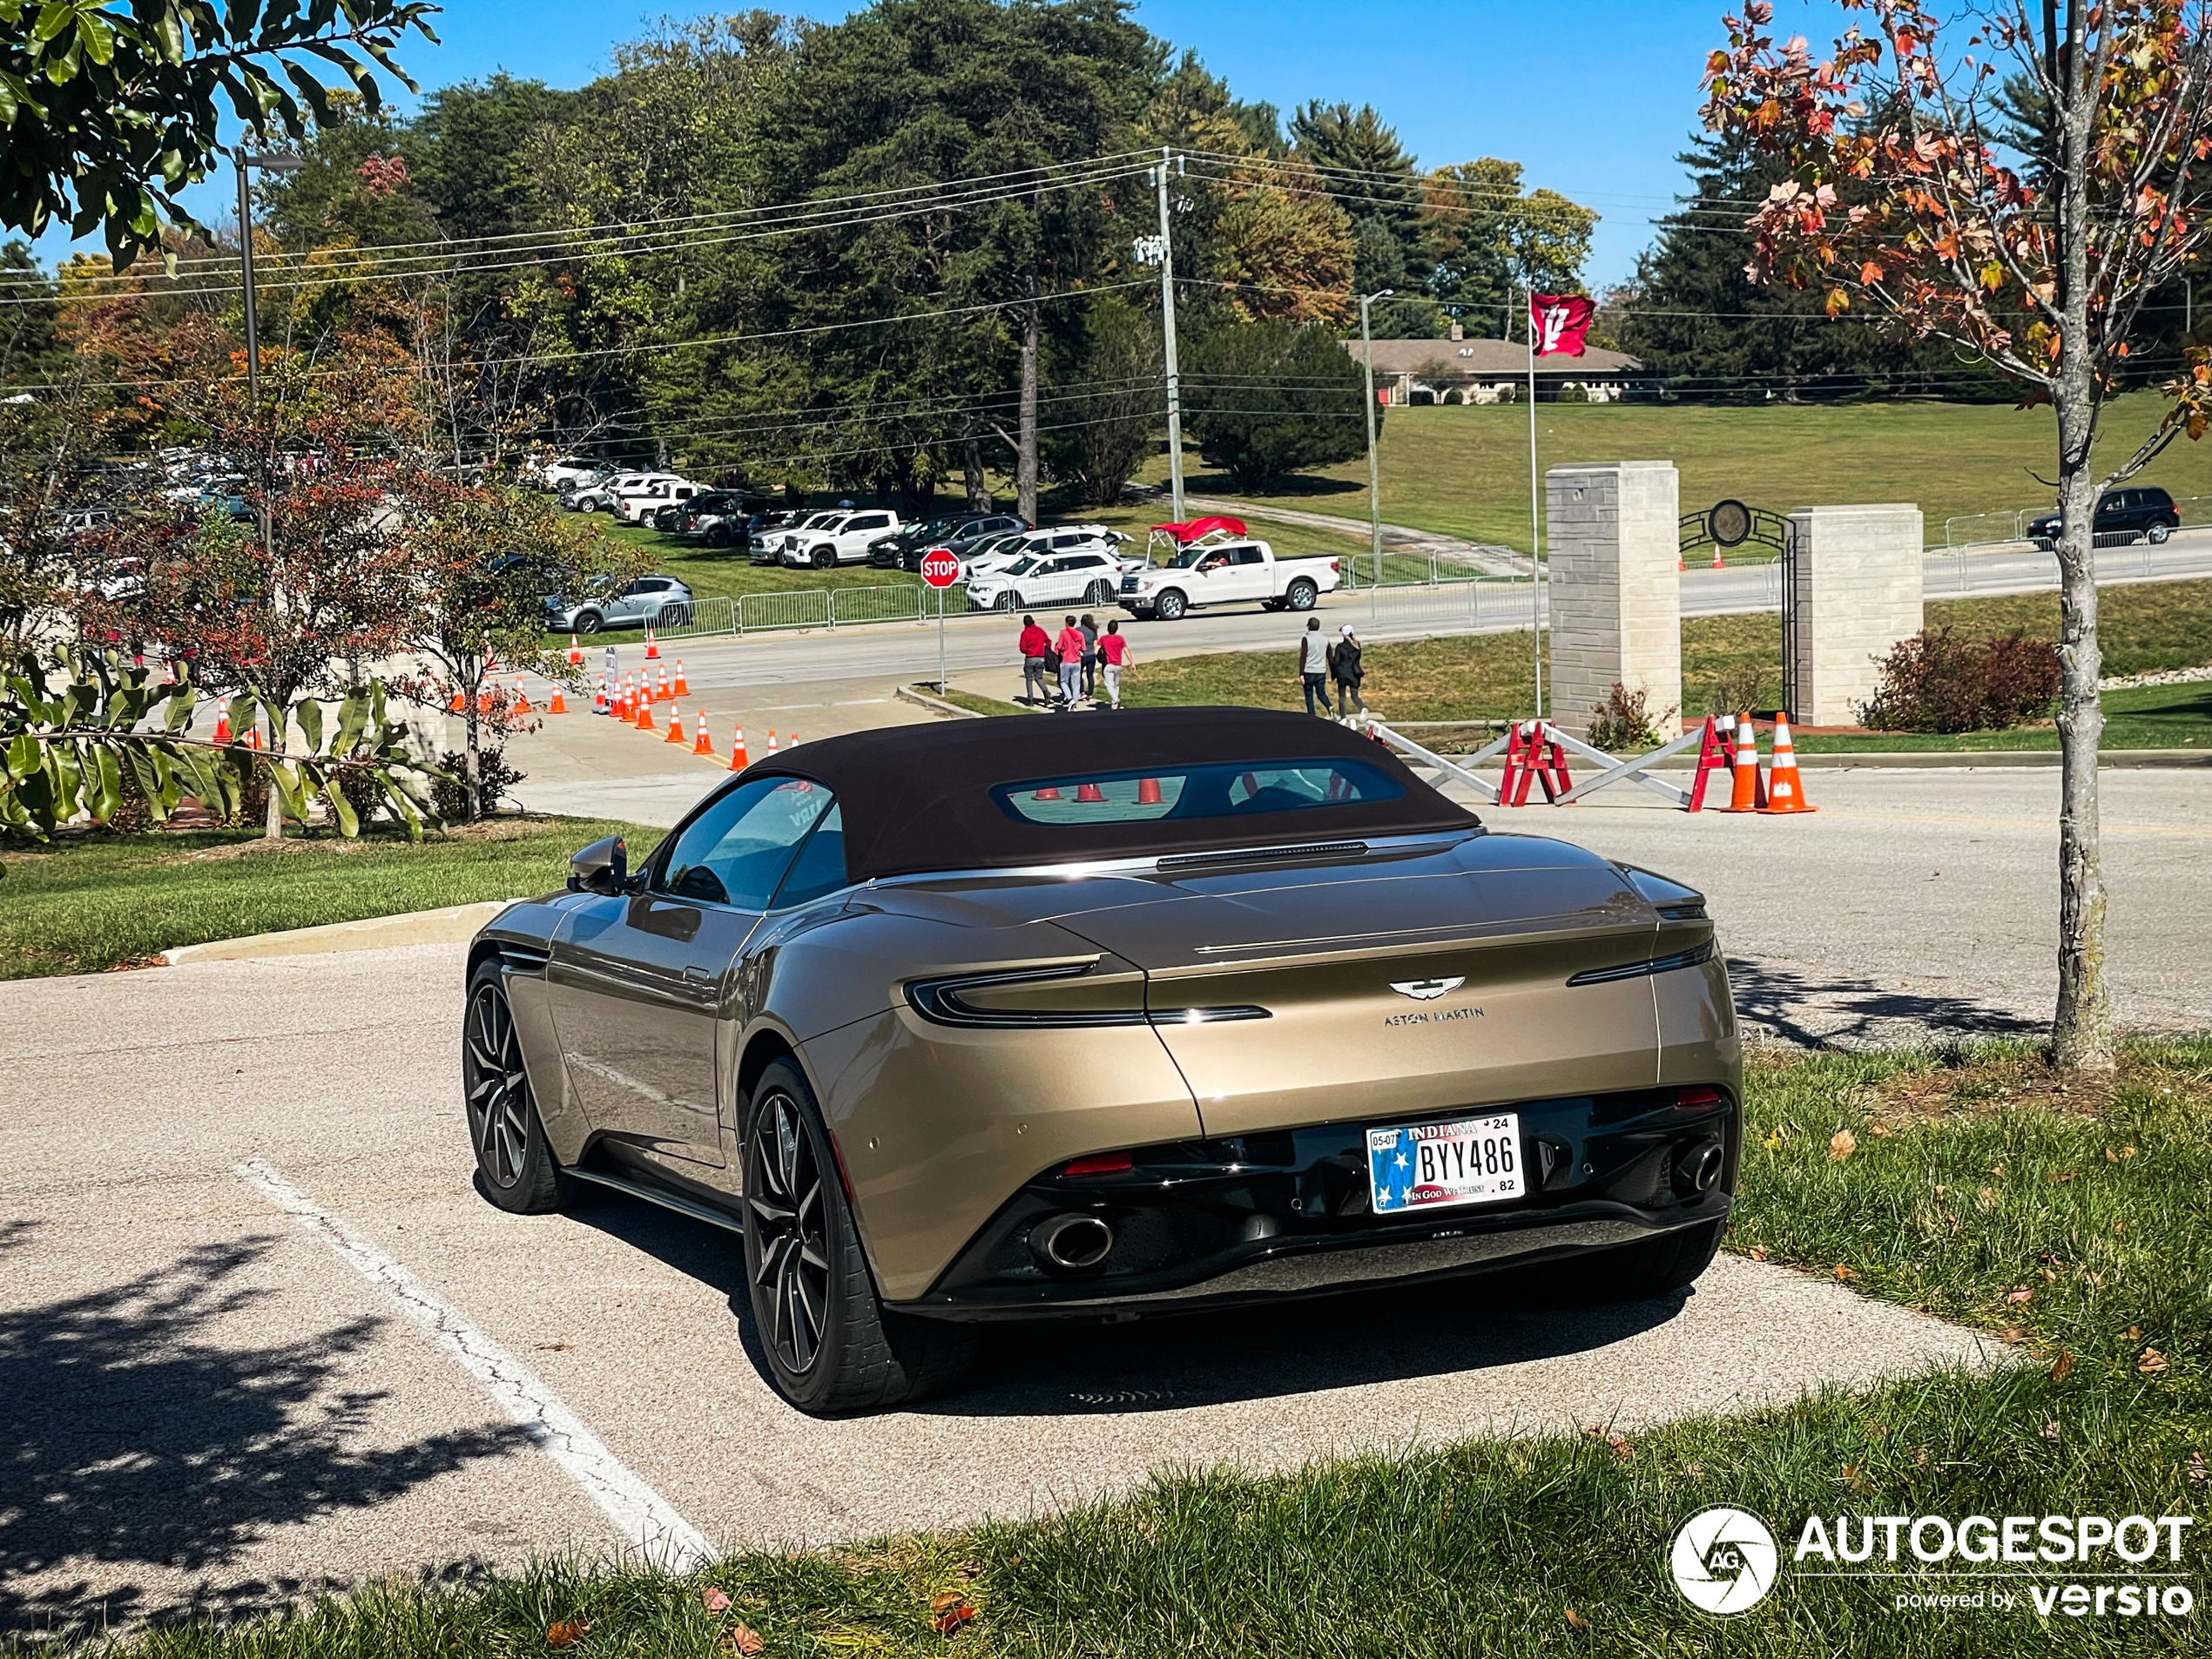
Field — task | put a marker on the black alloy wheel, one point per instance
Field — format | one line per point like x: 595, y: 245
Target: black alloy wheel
x: 588, y: 622
x: 517, y: 1167
x: 1008, y: 601
x: 831, y: 1346
x: 825, y: 557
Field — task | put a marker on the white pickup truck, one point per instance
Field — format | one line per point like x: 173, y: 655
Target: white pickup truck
x: 1226, y: 573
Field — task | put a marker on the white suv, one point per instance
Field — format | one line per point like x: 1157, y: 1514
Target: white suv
x: 636, y: 502
x: 830, y: 539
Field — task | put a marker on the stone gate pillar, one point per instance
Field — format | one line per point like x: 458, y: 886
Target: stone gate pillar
x: 1859, y: 576
x: 1614, y: 531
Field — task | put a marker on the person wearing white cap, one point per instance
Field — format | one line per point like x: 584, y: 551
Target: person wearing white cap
x: 1345, y: 670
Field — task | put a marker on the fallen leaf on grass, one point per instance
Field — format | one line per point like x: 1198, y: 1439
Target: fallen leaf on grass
x: 1759, y: 1252
x: 2134, y: 1334
x: 2198, y: 1473
x: 2050, y: 1431
x: 1987, y: 1198
x: 2152, y: 1362
x: 567, y: 1633
x: 1939, y: 1191
x: 713, y: 1600
x: 970, y: 1569
x: 1575, y: 1621
x: 952, y: 1610
x: 1842, y: 1144
x: 2063, y: 1364
x: 2014, y: 1334
x: 1882, y: 1129
x: 741, y: 1639
x: 1843, y: 1272
x: 2060, y: 1178
x: 2126, y: 1151
x: 2019, y: 1295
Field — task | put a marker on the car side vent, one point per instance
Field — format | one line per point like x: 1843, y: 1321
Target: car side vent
x: 522, y: 959
x: 1689, y: 958
x: 1247, y: 855
x: 1682, y: 913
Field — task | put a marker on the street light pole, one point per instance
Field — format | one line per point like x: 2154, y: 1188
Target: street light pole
x: 1374, y: 473
x: 1167, y: 317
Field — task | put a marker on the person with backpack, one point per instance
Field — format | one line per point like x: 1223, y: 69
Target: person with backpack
x: 1113, y: 656
x: 1035, y: 646
x: 1089, y: 625
x: 1345, y: 669
x: 1313, y: 665
x: 1071, y: 646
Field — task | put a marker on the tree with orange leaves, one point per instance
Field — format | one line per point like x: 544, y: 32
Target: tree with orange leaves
x: 2042, y: 270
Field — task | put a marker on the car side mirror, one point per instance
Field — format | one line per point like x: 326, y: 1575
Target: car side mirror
x: 604, y: 866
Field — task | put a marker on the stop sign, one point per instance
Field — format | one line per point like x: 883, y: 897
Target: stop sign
x: 940, y: 566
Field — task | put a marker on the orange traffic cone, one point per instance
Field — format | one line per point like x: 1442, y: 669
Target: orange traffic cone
x: 675, y: 726
x: 254, y: 739
x: 222, y: 726
x: 738, y: 758
x: 576, y: 653
x: 1046, y: 793
x: 458, y: 705
x: 771, y: 741
x: 559, y: 704
x: 682, y: 690
x: 1750, y: 790
x: 599, y: 704
x: 664, y: 693
x: 1717, y: 565
x: 521, y: 696
x: 652, y: 645
x: 704, y: 745
x: 790, y: 739
x: 644, y: 714
x: 1785, y: 790
x: 1090, y: 791
x: 1148, y: 792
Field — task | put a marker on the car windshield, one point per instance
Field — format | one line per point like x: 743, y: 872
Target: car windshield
x: 1020, y: 567
x: 1191, y: 554
x: 1224, y: 791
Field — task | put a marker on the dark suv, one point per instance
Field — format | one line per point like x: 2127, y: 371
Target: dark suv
x: 2122, y: 515
x: 958, y: 531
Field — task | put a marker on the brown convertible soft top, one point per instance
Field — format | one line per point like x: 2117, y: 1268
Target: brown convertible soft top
x: 918, y: 798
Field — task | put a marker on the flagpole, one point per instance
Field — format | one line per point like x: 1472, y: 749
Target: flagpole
x: 1535, y: 578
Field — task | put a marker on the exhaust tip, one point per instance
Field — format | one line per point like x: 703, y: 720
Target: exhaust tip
x: 1699, y: 1169
x: 1071, y: 1242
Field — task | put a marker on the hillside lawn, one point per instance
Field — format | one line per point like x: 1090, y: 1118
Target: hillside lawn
x: 1465, y: 471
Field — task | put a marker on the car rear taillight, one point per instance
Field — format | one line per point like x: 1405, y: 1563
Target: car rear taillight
x: 1100, y: 1163
x: 1698, y: 1099
x: 1335, y: 569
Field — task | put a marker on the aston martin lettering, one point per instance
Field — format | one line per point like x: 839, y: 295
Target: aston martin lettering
x: 1425, y: 1017
x: 1428, y: 990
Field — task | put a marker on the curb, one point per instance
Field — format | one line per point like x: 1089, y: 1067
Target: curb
x: 936, y: 704
x: 455, y: 925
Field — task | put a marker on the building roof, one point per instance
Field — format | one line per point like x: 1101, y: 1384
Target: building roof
x: 1489, y: 358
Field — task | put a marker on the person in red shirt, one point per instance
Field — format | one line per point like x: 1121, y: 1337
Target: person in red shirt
x: 1070, y: 646
x: 1037, y: 647
x: 1113, y: 651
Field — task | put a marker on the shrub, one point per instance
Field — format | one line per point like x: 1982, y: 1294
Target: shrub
x: 1934, y: 681
x: 1624, y: 720
x: 1740, y: 690
x: 495, y: 778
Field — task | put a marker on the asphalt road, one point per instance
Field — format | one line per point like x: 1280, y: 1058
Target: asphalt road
x: 888, y: 652
x: 213, y: 1400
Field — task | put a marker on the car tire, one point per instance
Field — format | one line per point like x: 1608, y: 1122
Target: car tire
x: 674, y: 617
x: 2156, y: 534
x: 1007, y: 601
x: 2046, y: 544
x: 514, y: 1164
x: 823, y: 558
x: 588, y: 622
x: 1634, y: 1273
x: 829, y: 1344
x: 1301, y: 594
x: 1098, y: 594
x: 1170, y: 606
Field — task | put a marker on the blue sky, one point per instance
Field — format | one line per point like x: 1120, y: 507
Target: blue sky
x: 1595, y: 99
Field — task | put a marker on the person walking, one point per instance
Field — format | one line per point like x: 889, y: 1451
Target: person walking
x: 1089, y: 625
x: 1036, y: 649
x: 1345, y: 669
x: 1313, y: 665
x: 1070, y: 646
x: 1113, y: 655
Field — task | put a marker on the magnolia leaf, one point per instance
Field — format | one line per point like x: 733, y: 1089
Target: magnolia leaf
x: 353, y: 715
x: 340, y: 808
x: 309, y: 716
x: 107, y: 792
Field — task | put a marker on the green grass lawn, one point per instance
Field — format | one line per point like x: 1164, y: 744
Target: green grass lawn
x: 2071, y: 1224
x: 1465, y: 471
x: 1486, y: 677
x: 90, y: 901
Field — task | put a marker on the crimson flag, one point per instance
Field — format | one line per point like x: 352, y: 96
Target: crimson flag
x: 1557, y: 322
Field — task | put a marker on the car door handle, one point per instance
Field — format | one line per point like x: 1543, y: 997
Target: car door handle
x: 698, y: 975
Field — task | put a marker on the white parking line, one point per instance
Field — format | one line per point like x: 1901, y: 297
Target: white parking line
x: 643, y: 1517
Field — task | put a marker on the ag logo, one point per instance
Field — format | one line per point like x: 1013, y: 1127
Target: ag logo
x: 1723, y: 1560
x: 1423, y: 990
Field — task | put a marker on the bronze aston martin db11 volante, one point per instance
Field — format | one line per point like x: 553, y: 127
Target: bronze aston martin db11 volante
x: 1015, y: 1019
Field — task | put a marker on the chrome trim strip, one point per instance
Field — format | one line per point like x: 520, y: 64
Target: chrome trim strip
x: 1307, y: 850
x: 1690, y: 958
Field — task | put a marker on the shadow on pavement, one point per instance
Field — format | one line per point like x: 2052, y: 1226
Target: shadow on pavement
x: 1064, y: 1368
x: 1816, y: 1012
x: 136, y: 1434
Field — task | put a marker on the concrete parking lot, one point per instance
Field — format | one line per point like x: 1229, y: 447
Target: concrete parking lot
x: 214, y: 1400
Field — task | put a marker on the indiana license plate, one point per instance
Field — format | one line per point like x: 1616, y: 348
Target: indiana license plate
x: 1432, y: 1166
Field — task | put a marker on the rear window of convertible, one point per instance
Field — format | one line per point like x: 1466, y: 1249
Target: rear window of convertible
x: 1233, y: 790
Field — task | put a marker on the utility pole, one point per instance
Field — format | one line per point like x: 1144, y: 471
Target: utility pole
x: 1374, y: 473
x: 1167, y: 324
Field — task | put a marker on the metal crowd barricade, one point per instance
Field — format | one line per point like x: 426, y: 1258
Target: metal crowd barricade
x: 805, y: 609
x: 895, y: 604
x: 1634, y: 771
x: 717, y: 615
